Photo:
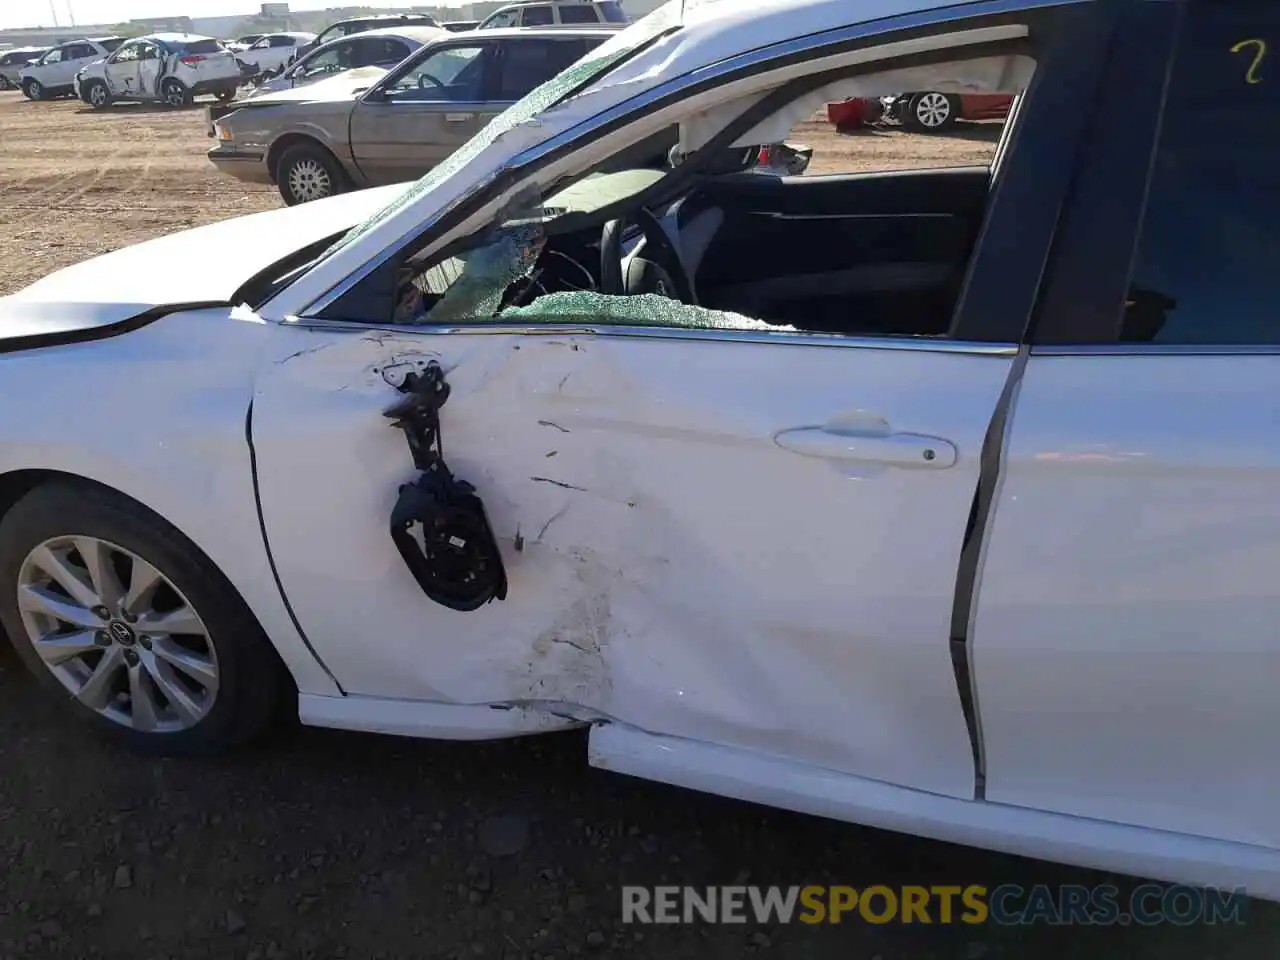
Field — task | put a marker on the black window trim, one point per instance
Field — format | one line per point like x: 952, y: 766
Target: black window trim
x: 1087, y: 280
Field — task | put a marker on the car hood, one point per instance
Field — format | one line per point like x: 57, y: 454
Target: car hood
x: 204, y: 264
x: 335, y: 89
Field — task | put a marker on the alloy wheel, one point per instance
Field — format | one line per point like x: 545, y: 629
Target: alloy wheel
x: 933, y: 110
x: 117, y: 633
x: 174, y: 95
x: 97, y: 95
x: 308, y: 181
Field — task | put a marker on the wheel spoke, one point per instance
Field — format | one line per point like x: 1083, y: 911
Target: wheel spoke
x: 98, y: 690
x: 36, y: 599
x: 197, y: 666
x: 179, y: 698
x: 142, y: 704
x: 180, y: 621
x: 143, y: 582
x: 59, y: 649
x: 65, y: 576
x: 97, y: 560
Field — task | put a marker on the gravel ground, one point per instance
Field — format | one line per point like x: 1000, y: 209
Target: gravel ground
x: 321, y: 844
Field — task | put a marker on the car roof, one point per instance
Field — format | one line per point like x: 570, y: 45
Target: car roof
x: 383, y: 17
x: 175, y: 37
x: 545, y: 3
x: 288, y: 33
x: 421, y: 33
x: 585, y: 30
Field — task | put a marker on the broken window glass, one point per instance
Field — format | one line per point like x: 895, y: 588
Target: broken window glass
x: 640, y: 310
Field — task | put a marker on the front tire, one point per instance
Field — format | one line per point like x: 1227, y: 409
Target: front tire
x: 931, y: 112
x: 307, y: 173
x: 124, y: 620
x: 175, y: 94
x: 97, y: 95
x: 226, y: 95
x: 33, y: 89
x: 4, y: 83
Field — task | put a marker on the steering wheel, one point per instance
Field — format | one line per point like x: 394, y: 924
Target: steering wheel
x: 426, y: 76
x: 658, y: 269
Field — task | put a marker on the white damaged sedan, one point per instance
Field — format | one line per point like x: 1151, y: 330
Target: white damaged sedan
x: 928, y: 500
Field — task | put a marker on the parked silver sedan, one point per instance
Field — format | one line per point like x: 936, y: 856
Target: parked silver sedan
x: 349, y: 131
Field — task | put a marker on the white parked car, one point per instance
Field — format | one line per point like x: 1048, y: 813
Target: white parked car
x: 12, y: 61
x: 172, y: 68
x: 556, y: 13
x: 274, y: 52
x: 54, y: 74
x: 939, y: 500
x: 243, y: 43
x: 381, y: 49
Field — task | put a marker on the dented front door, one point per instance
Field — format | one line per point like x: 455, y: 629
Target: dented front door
x: 731, y: 540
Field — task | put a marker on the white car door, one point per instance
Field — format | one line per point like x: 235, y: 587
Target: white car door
x: 744, y: 537
x: 151, y: 60
x: 1127, y: 636
x: 121, y: 71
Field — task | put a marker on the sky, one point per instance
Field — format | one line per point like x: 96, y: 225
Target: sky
x: 40, y: 13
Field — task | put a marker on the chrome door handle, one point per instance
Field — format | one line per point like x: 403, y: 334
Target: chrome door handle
x: 909, y: 450
x: 458, y: 117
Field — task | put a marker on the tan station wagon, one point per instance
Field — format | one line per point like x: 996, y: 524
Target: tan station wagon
x: 367, y: 128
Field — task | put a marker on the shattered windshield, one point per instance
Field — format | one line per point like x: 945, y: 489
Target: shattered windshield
x: 583, y: 72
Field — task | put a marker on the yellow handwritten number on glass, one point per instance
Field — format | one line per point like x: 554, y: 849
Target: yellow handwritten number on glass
x: 1251, y: 75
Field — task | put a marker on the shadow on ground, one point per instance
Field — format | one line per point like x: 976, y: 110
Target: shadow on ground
x: 324, y: 844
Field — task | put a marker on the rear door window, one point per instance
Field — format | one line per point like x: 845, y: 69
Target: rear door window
x: 1204, y: 271
x: 527, y: 64
x: 501, y: 19
x: 612, y: 11
x: 198, y: 47
x: 383, y: 51
x: 536, y: 17
x: 579, y: 13
x: 283, y: 41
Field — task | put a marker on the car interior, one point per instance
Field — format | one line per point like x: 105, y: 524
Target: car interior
x: 866, y: 254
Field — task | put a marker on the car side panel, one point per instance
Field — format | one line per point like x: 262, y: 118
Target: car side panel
x: 326, y: 123
x: 985, y: 106
x: 1126, y: 646
x: 167, y: 428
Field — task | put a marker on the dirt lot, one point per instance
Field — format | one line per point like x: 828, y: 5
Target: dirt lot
x: 332, y: 845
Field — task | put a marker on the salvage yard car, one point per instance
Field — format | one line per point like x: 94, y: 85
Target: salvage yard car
x: 378, y: 21
x: 275, y: 51
x: 938, y: 500
x: 376, y: 48
x: 568, y: 13
x: 171, y: 68
x: 351, y: 131
x: 54, y: 74
x: 12, y: 61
